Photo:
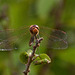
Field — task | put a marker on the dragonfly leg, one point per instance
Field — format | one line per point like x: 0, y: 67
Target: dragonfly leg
x: 31, y: 40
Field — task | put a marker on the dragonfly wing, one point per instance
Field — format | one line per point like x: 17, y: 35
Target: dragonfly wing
x: 56, y: 43
x: 55, y: 39
x: 55, y: 32
x: 4, y: 46
x: 11, y: 38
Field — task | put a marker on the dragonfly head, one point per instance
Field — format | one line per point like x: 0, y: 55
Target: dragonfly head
x: 34, y: 29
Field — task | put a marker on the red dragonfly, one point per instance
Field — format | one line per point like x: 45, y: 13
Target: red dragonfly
x: 53, y: 38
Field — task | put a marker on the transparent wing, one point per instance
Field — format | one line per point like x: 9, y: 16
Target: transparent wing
x: 53, y: 38
x: 11, y: 38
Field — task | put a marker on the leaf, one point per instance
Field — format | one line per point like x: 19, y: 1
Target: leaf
x: 24, y: 57
x: 42, y: 59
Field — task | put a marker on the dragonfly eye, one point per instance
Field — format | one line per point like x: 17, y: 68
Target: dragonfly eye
x: 36, y: 26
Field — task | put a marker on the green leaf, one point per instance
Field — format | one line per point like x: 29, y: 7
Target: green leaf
x: 42, y: 59
x: 24, y: 56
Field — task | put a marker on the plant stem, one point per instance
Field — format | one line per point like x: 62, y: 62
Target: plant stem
x: 32, y: 55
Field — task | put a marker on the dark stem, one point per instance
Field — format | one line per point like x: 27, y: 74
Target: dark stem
x: 30, y: 59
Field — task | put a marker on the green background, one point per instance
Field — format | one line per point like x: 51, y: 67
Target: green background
x: 17, y: 14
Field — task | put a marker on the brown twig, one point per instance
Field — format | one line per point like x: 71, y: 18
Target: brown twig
x: 32, y: 55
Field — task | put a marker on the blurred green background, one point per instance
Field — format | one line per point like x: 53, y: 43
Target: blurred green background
x: 58, y: 14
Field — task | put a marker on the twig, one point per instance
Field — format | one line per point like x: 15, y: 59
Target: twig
x: 32, y: 55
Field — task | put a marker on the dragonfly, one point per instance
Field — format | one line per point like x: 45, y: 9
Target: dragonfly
x: 53, y: 38
x: 34, y: 30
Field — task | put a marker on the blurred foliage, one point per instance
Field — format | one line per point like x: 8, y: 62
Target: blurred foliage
x: 37, y: 59
x: 15, y: 14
